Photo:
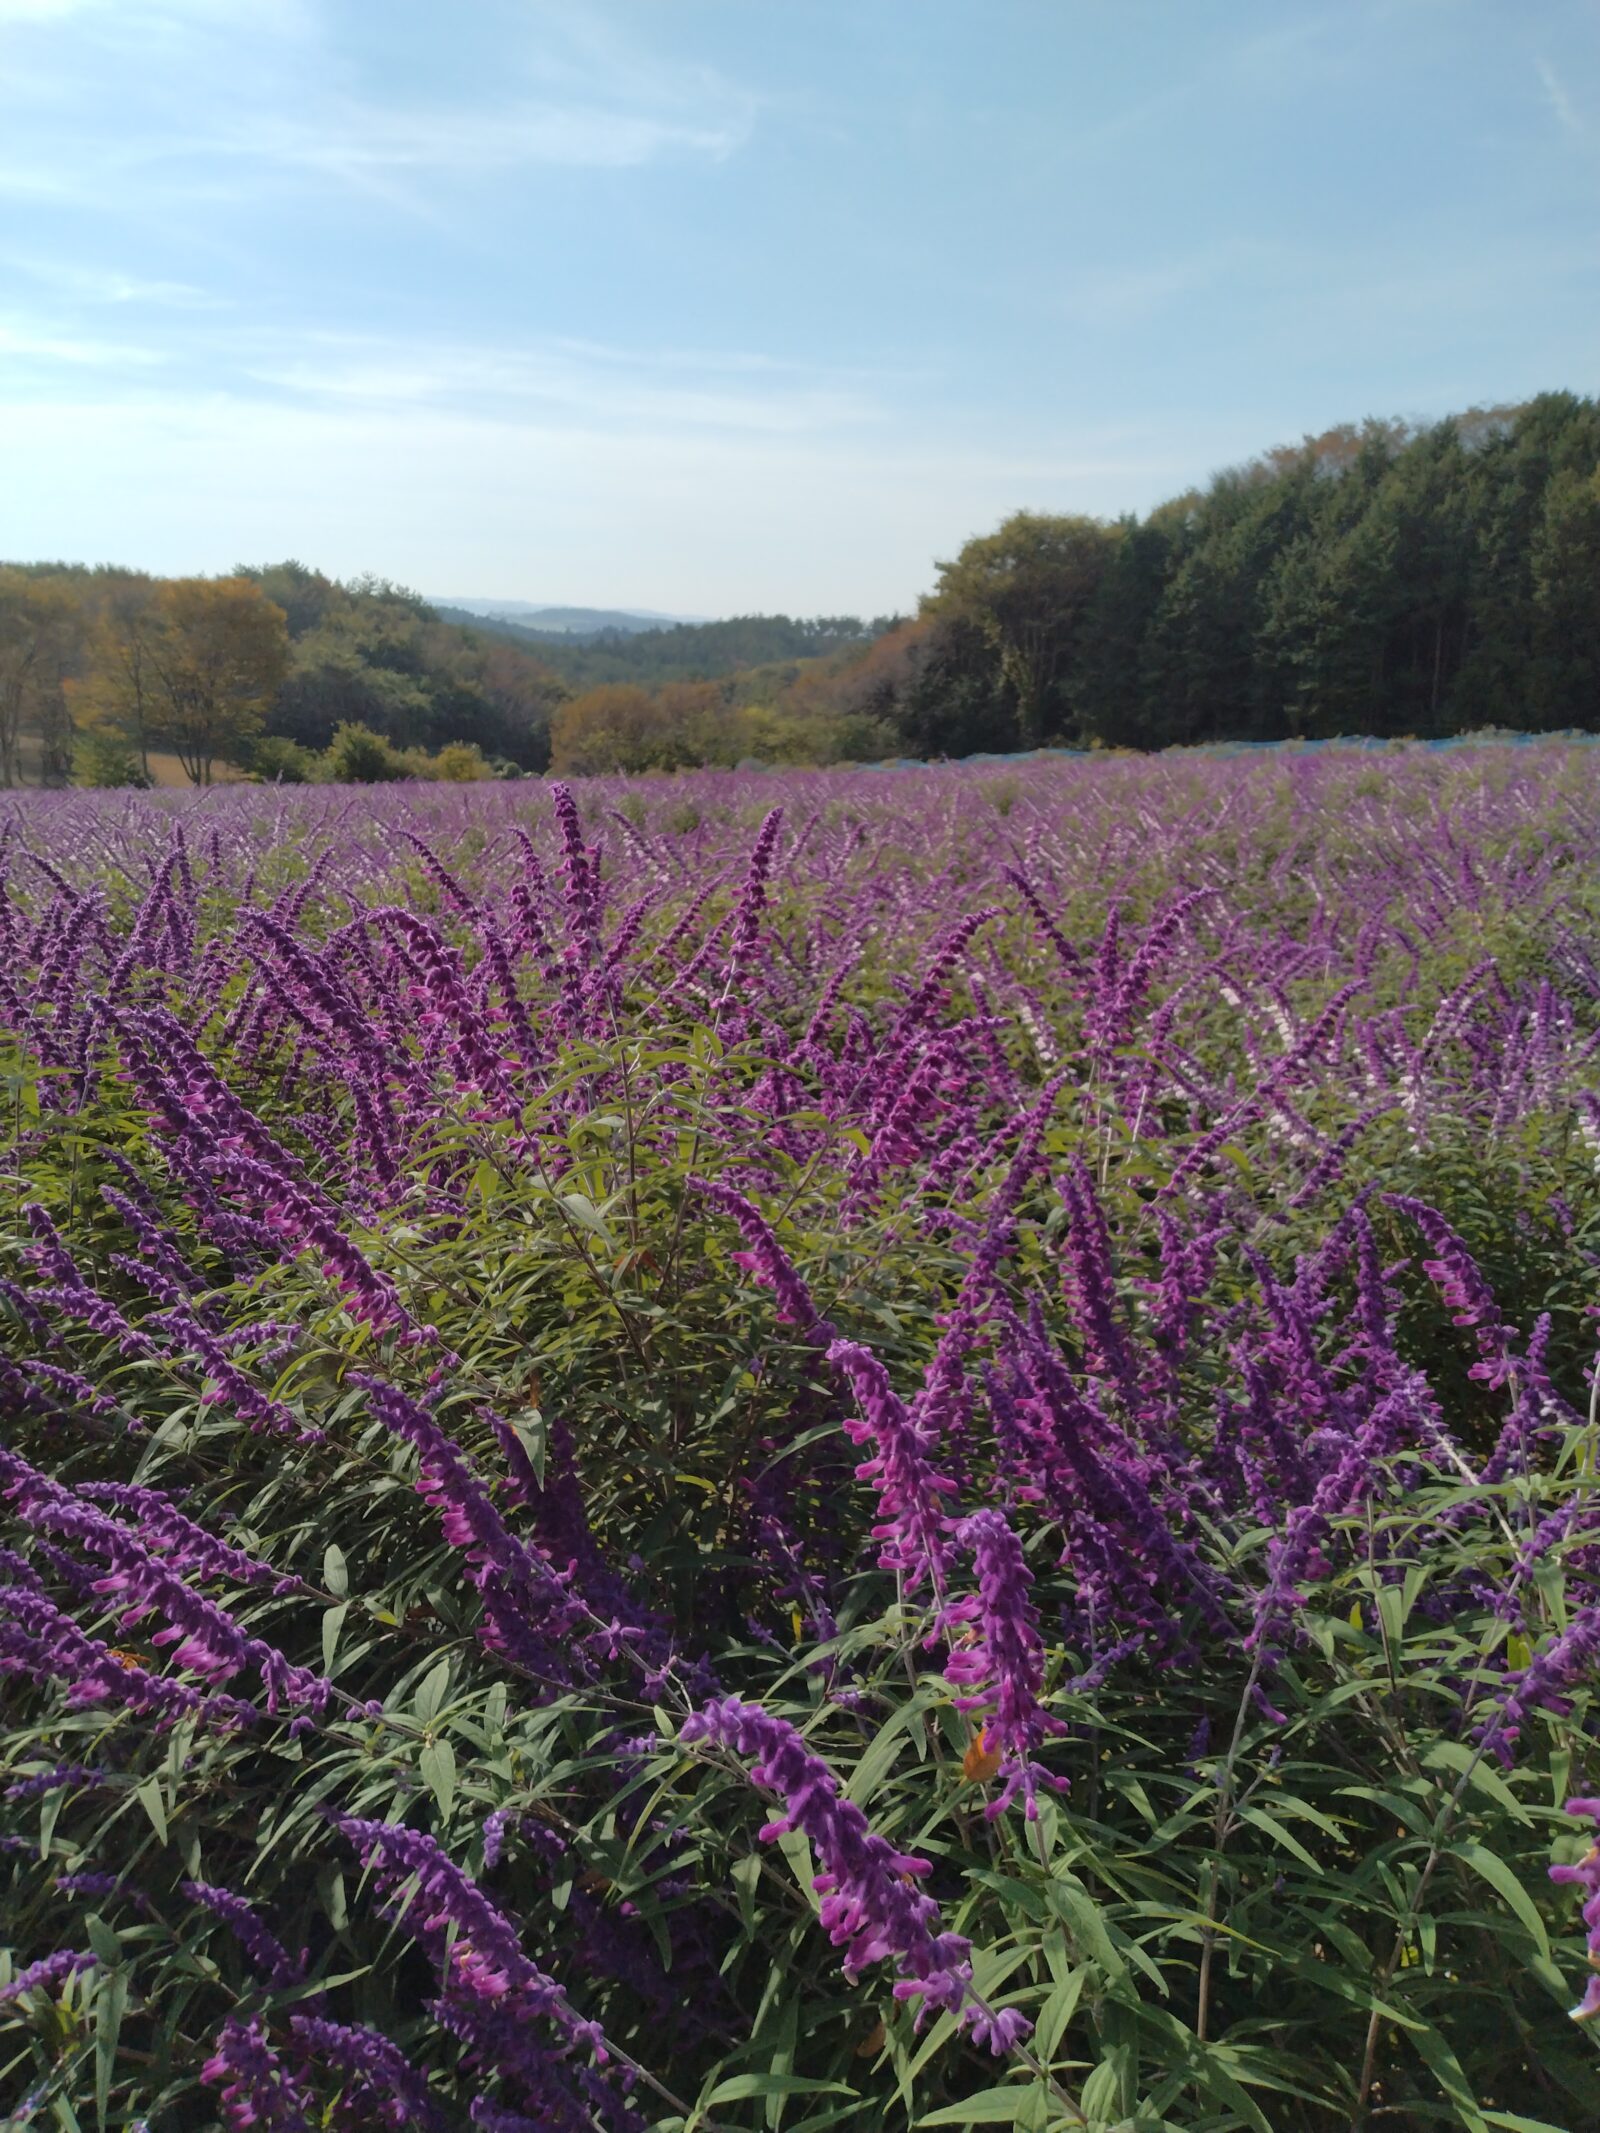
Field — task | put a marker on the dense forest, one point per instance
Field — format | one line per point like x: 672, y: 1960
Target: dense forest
x: 1384, y: 579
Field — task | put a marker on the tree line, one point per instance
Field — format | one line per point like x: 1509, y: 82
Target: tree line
x: 269, y: 670
x: 1380, y: 579
x: 1383, y: 578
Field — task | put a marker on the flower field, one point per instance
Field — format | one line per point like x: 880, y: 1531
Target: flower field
x: 862, y: 1450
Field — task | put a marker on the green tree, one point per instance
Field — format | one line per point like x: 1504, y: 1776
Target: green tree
x: 1027, y: 589
x: 38, y: 617
x: 1564, y: 680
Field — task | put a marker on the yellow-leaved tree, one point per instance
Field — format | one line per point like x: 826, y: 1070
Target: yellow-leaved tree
x: 193, y: 667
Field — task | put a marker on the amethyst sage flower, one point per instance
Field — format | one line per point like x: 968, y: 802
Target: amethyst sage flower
x: 1002, y: 1667
x: 871, y: 1905
x: 1586, y: 1876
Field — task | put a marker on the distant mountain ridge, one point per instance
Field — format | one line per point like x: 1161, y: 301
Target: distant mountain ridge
x: 652, y: 654
x: 561, y: 621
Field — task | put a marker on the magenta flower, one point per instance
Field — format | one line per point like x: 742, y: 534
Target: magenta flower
x: 1586, y: 1876
x: 913, y: 1524
x: 1001, y: 1669
x: 259, y: 2093
x: 872, y: 1907
x: 49, y: 1970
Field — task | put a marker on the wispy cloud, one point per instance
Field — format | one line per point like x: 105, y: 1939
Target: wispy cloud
x: 185, y: 96
x: 556, y: 380
x: 545, y: 378
x: 1558, y: 97
x: 107, y: 285
x: 355, y: 141
x: 28, y: 343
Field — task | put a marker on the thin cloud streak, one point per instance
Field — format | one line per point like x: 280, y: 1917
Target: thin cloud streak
x: 1556, y: 96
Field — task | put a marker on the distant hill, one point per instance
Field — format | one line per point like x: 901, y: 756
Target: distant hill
x: 560, y: 621
x: 681, y: 651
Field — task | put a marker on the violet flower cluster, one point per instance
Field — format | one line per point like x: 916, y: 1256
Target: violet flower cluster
x: 997, y: 1661
x: 1585, y: 1875
x: 871, y: 1904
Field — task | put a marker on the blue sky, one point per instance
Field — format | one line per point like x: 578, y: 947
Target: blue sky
x: 718, y: 305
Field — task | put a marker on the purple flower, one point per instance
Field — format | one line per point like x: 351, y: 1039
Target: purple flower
x: 872, y: 1907
x: 913, y: 1524
x: 258, y: 2090
x: 752, y: 902
x: 59, y: 1779
x: 49, y: 1970
x: 382, y: 2087
x: 766, y: 1259
x: 209, y: 1641
x: 492, y: 1995
x: 1460, y: 1281
x: 37, y: 1640
x: 1002, y: 1669
x: 267, y: 1954
x: 1586, y: 1876
x: 530, y: 1609
x: 1541, y: 1686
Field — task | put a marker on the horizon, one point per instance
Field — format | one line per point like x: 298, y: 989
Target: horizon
x: 742, y: 313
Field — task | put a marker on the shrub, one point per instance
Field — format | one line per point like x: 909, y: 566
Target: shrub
x: 776, y: 1474
x: 104, y: 760
x: 358, y: 756
x: 276, y: 761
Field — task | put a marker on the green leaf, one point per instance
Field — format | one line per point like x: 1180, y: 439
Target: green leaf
x: 438, y: 1766
x: 335, y: 1572
x: 110, y: 2005
x: 796, y: 1848
x: 1514, y: 2124
x: 1392, y: 1613
x: 739, y: 2088
x: 1101, y: 2095
x: 332, y: 1623
x: 1445, y: 2068
x: 584, y: 1212
x: 883, y: 1750
x: 425, y: 1704
x: 1279, y: 1835
x: 1079, y: 1912
x: 989, y: 2107
x: 532, y: 1434
x: 1500, y: 1878
x: 103, y: 1940
x: 1056, y: 2013
x: 1456, y: 1755
x: 148, y: 1794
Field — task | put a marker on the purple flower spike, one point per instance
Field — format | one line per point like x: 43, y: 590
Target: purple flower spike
x: 871, y: 1905
x: 50, y: 1970
x: 265, y: 1951
x: 766, y: 1259
x: 259, y: 2093
x: 913, y: 1525
x: 1003, y: 1668
x: 1586, y: 1876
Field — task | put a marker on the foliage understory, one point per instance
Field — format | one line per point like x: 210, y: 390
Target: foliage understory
x: 923, y: 1457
